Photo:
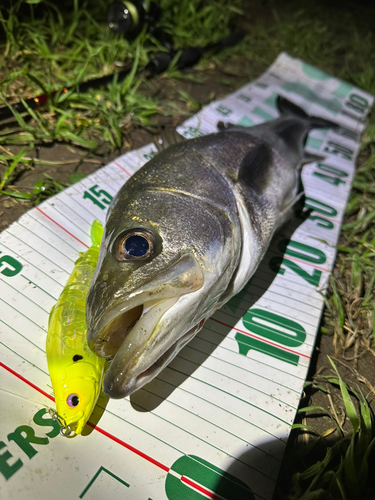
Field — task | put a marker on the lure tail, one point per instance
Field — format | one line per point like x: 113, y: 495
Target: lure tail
x: 96, y: 233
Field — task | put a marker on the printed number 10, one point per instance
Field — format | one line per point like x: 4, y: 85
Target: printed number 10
x: 102, y: 197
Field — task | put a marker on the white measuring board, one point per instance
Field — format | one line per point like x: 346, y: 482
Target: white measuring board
x: 214, y: 424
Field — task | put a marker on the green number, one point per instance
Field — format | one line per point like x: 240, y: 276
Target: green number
x: 326, y: 224
x: 88, y: 195
x: 261, y: 85
x: 313, y: 279
x: 8, y: 470
x: 358, y: 103
x: 335, y: 181
x: 107, y: 198
x: 332, y: 170
x: 243, y: 97
x: 223, y: 110
x: 320, y: 207
x: 339, y: 150
x: 149, y: 156
x: 271, y: 330
x: 11, y: 266
x: 199, y: 478
x: 246, y: 343
x: 302, y: 251
x: 100, y: 196
x: 344, y: 132
x: 268, y: 325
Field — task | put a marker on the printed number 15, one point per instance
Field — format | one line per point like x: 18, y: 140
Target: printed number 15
x: 101, y: 196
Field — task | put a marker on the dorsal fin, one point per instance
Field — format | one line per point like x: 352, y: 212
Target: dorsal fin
x: 255, y: 167
x: 226, y: 125
x: 168, y: 137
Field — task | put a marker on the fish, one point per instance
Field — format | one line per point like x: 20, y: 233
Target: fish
x: 185, y: 234
x: 76, y: 372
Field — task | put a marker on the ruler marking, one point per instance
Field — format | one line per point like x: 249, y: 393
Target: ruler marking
x: 61, y: 227
x: 122, y: 168
x: 249, y: 334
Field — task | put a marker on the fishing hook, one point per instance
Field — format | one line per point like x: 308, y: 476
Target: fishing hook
x: 65, y: 429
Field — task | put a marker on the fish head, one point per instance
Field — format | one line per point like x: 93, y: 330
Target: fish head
x: 163, y: 265
x: 76, y: 393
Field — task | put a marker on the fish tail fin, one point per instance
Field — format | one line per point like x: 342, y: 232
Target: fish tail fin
x: 287, y: 107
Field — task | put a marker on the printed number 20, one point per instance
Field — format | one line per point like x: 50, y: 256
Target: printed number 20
x: 100, y: 196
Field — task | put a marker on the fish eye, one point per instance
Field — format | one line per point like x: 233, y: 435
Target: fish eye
x: 73, y: 400
x: 77, y: 357
x: 135, y: 244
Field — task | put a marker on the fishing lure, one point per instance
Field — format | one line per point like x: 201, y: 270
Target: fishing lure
x: 76, y: 372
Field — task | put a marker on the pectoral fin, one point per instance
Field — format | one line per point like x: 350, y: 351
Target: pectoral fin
x: 255, y: 168
x: 286, y: 211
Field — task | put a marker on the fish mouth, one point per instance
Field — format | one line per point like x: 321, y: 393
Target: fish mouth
x: 120, y: 321
x: 140, y: 343
x: 144, y: 330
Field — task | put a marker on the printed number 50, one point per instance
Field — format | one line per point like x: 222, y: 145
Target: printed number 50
x: 100, y: 196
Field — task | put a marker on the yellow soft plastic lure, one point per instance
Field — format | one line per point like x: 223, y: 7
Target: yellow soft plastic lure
x: 76, y: 372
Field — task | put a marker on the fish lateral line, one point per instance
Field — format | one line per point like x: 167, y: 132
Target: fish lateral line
x: 187, y: 194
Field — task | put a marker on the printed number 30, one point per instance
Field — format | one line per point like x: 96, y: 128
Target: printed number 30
x: 100, y: 196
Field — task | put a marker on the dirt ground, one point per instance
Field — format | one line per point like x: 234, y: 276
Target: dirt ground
x: 216, y: 84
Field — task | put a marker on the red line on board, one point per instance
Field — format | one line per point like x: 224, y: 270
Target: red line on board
x: 129, y: 447
x: 102, y: 431
x: 332, y: 219
x: 122, y: 168
x: 61, y: 227
x: 27, y: 381
x: 203, y: 118
x: 261, y: 339
x: 287, y: 257
x: 200, y: 488
x: 122, y: 443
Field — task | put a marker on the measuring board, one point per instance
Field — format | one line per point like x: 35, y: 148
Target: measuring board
x: 215, y: 422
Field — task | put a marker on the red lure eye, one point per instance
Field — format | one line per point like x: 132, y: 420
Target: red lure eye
x: 73, y: 400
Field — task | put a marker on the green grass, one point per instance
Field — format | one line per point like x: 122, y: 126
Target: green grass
x: 45, y: 50
x: 342, y: 468
x: 350, y: 313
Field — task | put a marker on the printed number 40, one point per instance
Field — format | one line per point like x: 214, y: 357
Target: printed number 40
x: 100, y: 196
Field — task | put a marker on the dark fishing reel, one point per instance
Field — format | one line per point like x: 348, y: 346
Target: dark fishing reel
x: 129, y: 17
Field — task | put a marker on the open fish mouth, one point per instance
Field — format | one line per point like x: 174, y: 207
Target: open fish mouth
x: 140, y: 340
x: 142, y: 331
x: 124, y: 319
